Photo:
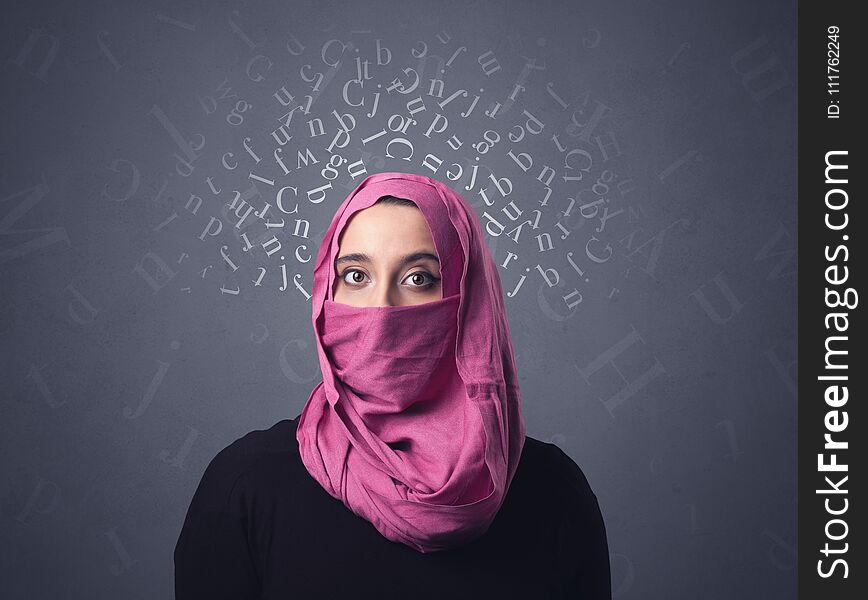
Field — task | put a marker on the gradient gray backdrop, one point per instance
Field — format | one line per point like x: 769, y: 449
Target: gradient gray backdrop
x: 132, y: 351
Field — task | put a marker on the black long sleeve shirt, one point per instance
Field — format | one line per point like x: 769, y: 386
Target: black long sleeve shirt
x: 260, y: 527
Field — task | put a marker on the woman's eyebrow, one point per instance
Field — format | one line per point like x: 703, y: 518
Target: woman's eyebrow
x: 361, y: 257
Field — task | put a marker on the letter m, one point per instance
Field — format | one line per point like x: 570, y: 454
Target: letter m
x: 831, y: 167
x: 16, y: 243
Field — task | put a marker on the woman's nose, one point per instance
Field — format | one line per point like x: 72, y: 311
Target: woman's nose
x: 383, y: 296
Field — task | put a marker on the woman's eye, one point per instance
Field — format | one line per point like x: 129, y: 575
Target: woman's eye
x: 354, y: 280
x: 427, y: 279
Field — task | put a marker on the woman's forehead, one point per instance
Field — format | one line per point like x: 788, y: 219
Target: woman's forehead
x: 384, y: 227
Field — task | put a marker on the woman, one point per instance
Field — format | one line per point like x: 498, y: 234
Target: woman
x: 408, y: 472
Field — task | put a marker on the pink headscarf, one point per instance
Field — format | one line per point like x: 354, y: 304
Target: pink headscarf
x: 417, y: 424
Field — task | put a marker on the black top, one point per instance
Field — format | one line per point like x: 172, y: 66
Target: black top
x: 259, y: 526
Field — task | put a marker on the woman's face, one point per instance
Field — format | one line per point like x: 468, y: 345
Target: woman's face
x: 386, y: 257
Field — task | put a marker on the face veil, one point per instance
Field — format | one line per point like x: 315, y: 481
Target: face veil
x: 417, y: 424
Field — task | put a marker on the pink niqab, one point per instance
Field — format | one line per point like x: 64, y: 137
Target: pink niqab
x: 417, y: 424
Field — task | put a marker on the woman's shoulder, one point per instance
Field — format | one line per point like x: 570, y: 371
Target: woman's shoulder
x: 547, y: 460
x: 582, y: 549
x: 212, y: 555
x: 256, y: 452
x: 278, y: 438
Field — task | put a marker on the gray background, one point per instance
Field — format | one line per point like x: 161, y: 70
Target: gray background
x: 126, y: 368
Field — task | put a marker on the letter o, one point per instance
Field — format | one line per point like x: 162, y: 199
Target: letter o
x: 843, y: 535
x: 840, y: 192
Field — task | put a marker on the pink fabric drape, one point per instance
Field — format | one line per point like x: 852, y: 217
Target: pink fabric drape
x: 417, y: 424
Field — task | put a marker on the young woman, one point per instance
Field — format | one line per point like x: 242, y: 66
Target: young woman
x: 408, y: 472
